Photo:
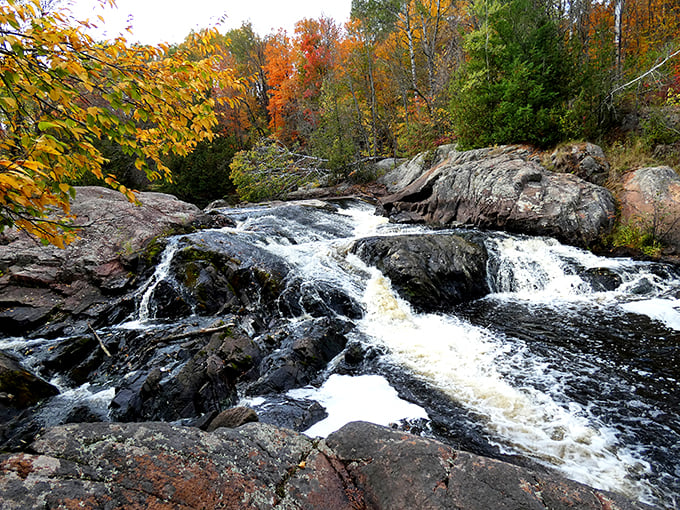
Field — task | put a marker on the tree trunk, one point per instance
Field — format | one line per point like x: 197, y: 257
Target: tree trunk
x: 618, y: 36
x: 411, y: 51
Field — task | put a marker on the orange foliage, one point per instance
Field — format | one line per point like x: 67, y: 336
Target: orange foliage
x: 280, y: 72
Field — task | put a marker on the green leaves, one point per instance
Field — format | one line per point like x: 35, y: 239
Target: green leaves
x: 516, y: 84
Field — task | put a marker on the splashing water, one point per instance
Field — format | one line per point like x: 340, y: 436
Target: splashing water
x: 464, y: 360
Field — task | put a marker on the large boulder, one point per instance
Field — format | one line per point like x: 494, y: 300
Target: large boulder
x: 433, y: 272
x: 39, y: 283
x: 394, y: 469
x: 258, y: 466
x: 505, y: 188
x: 650, y: 200
x: 220, y: 272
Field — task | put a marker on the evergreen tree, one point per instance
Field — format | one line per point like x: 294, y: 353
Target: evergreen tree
x: 515, y: 84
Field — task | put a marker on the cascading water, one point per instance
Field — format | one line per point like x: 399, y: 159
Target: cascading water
x: 572, y: 360
x: 144, y: 310
x: 509, y: 382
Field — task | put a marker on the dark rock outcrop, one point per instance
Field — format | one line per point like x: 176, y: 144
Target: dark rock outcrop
x: 40, y: 284
x: 19, y: 388
x: 504, y: 188
x: 206, y: 383
x: 258, y: 466
x: 299, y: 353
x: 222, y: 273
x: 650, y: 201
x: 432, y: 272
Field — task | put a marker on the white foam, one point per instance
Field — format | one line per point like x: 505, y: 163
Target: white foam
x: 662, y: 310
x: 55, y: 411
x: 363, y: 398
x: 366, y: 222
x: 465, y: 361
x: 533, y: 269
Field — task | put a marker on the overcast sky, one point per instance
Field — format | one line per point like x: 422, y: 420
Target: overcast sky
x: 156, y: 21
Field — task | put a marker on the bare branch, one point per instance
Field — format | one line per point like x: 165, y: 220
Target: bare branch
x: 649, y: 72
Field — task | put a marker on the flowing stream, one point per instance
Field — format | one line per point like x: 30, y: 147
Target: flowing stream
x: 571, y: 361
x: 551, y: 364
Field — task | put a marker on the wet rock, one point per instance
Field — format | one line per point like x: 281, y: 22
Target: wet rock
x: 650, y: 202
x: 602, y: 279
x: 232, y: 418
x: 355, y: 353
x: 204, y: 384
x: 19, y: 388
x: 17, y: 319
x: 20, y: 392
x: 258, y: 466
x: 300, y: 353
x: 221, y: 273
x: 318, y: 299
x: 18, y: 429
x: 289, y: 413
x: 82, y: 414
x: 40, y: 283
x: 168, y: 302
x: 212, y: 219
x: 433, y: 272
x: 504, y: 188
x: 76, y: 358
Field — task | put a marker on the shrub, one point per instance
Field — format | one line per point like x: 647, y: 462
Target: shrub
x: 269, y: 170
x: 203, y: 175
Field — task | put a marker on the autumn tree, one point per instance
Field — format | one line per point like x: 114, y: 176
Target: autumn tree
x: 61, y: 92
x: 246, y: 53
x: 282, y: 86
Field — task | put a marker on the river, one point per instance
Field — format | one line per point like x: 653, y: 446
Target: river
x: 572, y: 360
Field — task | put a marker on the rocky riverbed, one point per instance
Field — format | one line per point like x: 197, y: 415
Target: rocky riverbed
x: 125, y: 356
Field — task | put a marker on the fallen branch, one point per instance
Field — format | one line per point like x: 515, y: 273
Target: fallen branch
x: 196, y: 332
x: 101, y: 344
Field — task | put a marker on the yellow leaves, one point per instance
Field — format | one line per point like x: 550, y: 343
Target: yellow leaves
x: 10, y: 181
x: 8, y: 103
x: 48, y: 145
x: 61, y: 91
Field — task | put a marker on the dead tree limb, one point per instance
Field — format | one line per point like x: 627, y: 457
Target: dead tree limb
x: 101, y: 344
x: 657, y: 66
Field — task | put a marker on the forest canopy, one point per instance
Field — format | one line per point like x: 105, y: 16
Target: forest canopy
x: 400, y: 77
x: 403, y: 76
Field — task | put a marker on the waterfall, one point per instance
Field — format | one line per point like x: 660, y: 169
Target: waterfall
x: 145, y: 311
x: 465, y: 362
x: 571, y: 361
